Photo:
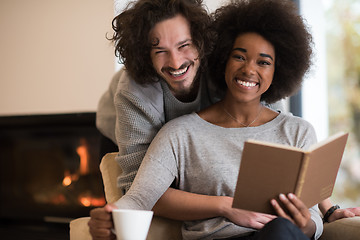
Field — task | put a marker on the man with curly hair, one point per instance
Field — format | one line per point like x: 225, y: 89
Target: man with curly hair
x: 164, y: 45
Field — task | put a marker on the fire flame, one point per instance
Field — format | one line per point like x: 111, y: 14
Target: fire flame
x: 69, y: 178
x: 83, y: 153
x: 86, y: 199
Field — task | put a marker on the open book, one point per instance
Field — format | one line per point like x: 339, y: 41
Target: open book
x: 269, y: 169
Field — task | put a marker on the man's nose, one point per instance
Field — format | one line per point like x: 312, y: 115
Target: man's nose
x: 175, y: 60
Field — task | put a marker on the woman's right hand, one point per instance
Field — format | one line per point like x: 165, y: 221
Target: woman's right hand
x: 245, y: 218
x: 101, y: 223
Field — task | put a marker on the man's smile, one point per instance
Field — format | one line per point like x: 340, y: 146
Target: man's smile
x: 179, y: 73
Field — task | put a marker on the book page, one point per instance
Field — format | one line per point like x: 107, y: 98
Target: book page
x: 324, y: 162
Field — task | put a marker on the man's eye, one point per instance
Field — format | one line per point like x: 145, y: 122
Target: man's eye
x: 159, y: 52
x: 184, y: 45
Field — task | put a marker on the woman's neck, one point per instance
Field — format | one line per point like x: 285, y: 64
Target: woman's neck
x: 241, y: 114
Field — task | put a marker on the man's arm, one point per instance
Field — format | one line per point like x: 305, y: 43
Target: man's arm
x: 105, y: 113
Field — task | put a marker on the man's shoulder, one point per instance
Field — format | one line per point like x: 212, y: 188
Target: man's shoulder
x: 127, y: 83
x: 147, y: 93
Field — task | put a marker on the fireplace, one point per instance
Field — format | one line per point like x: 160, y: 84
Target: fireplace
x: 49, y: 169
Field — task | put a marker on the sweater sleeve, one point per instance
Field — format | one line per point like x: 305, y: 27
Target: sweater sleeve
x: 139, y: 116
x: 155, y: 175
x: 316, y: 218
x: 105, y: 114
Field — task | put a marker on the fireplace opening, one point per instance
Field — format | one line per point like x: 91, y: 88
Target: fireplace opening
x: 49, y: 167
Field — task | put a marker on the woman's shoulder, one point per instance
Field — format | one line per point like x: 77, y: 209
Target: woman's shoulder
x: 182, y: 122
x: 299, y: 125
x: 296, y: 120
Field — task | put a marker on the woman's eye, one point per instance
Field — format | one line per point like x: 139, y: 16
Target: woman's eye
x: 264, y: 63
x: 239, y: 57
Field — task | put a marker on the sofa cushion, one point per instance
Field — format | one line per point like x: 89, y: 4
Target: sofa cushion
x: 344, y: 229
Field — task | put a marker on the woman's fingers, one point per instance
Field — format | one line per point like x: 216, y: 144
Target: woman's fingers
x: 298, y: 213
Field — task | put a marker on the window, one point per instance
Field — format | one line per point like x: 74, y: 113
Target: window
x: 331, y: 93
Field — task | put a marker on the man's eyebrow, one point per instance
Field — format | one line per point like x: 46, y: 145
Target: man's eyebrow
x: 178, y: 44
x: 157, y: 47
x: 184, y: 41
x: 261, y: 54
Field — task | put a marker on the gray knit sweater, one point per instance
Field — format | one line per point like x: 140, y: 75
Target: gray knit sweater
x: 204, y: 158
x: 131, y: 114
x: 141, y: 110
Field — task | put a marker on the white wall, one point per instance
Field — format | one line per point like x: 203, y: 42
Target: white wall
x: 211, y: 4
x: 55, y: 58
x: 54, y: 55
x: 314, y: 92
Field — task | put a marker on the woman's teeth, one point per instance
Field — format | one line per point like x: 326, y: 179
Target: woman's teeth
x: 246, y: 84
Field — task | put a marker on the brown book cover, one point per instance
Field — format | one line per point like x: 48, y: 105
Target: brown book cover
x: 269, y: 169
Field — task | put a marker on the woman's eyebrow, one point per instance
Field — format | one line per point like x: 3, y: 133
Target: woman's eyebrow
x: 261, y: 54
x: 266, y: 55
x: 240, y: 49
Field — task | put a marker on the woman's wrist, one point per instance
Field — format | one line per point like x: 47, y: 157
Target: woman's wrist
x: 329, y: 212
x: 225, y: 206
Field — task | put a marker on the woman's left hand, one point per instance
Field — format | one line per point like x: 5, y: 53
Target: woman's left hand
x: 299, y: 214
x: 344, y: 213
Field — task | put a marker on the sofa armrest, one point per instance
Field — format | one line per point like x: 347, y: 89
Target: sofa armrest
x: 163, y: 229
x: 110, y: 170
x: 79, y: 229
x: 344, y: 229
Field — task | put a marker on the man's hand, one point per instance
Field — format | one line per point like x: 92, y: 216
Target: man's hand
x: 299, y: 214
x: 101, y: 223
x: 344, y: 213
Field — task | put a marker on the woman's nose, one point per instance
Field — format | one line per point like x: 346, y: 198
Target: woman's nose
x: 248, y: 68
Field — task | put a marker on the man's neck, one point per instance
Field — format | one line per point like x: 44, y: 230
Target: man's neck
x: 190, y: 95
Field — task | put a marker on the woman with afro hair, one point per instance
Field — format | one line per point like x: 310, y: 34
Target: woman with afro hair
x: 292, y: 43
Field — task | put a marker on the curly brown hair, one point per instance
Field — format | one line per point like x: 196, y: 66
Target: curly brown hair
x: 279, y: 22
x: 132, y: 27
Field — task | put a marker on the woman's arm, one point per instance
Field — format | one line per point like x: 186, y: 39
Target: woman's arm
x: 179, y: 205
x: 325, y: 206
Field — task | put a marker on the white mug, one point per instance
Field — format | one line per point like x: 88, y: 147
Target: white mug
x: 131, y: 224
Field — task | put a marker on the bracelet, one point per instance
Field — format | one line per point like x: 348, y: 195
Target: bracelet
x: 329, y: 212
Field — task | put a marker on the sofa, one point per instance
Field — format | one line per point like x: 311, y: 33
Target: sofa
x: 166, y: 229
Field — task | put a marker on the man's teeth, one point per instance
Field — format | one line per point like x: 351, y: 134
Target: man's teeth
x: 247, y: 84
x: 179, y: 72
